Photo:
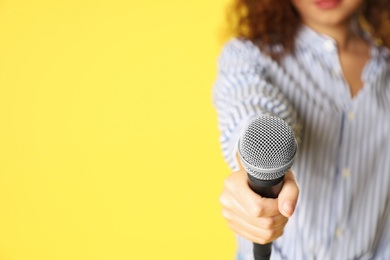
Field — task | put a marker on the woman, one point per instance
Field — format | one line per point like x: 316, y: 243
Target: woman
x: 324, y: 67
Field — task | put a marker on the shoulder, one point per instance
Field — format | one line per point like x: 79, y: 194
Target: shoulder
x: 240, y: 46
x: 243, y: 54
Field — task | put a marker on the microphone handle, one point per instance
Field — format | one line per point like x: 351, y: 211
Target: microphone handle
x: 267, y: 189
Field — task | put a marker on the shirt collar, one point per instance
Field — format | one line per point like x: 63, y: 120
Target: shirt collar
x: 317, y: 42
x: 322, y: 44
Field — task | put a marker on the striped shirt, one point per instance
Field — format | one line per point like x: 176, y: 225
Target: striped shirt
x: 343, y: 161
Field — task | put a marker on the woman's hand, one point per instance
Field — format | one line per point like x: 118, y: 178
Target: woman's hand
x: 253, y: 217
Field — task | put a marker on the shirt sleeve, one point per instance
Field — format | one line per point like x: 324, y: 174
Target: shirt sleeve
x: 242, y: 92
x: 382, y: 251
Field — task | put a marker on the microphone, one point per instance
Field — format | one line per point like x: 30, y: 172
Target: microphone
x: 267, y: 149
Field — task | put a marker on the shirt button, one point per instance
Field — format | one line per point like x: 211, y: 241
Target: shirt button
x: 339, y: 232
x: 336, y: 72
x: 351, y: 116
x: 329, y: 46
x: 346, y: 173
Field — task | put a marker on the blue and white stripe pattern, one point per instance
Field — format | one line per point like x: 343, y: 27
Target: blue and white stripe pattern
x: 343, y: 162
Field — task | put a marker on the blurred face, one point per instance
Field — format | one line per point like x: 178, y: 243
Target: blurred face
x: 326, y: 13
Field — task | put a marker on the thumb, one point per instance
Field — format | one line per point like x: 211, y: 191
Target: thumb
x: 288, y: 196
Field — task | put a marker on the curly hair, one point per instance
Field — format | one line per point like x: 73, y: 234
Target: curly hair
x: 270, y: 24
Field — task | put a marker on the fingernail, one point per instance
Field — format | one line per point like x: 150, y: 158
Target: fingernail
x: 288, y: 208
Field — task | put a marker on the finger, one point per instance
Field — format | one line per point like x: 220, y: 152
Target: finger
x: 237, y: 185
x: 231, y: 205
x: 274, y: 222
x: 289, y: 194
x: 253, y: 233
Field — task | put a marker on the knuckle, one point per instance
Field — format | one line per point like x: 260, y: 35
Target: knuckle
x: 263, y: 240
x: 226, y: 215
x: 269, y: 223
x: 228, y: 184
x: 257, y: 210
x: 269, y: 235
x: 224, y: 200
x: 231, y: 225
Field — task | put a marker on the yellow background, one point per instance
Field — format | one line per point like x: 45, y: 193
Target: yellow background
x: 108, y: 137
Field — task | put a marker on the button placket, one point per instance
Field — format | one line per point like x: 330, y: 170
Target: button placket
x: 329, y: 46
x: 351, y: 116
x: 337, y: 72
x: 339, y: 232
x: 346, y: 173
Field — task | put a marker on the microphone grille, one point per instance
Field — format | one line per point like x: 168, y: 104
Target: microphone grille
x: 267, y: 148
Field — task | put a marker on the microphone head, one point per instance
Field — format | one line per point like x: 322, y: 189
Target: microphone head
x: 267, y: 148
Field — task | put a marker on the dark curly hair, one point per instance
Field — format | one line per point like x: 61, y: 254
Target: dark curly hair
x: 270, y: 23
